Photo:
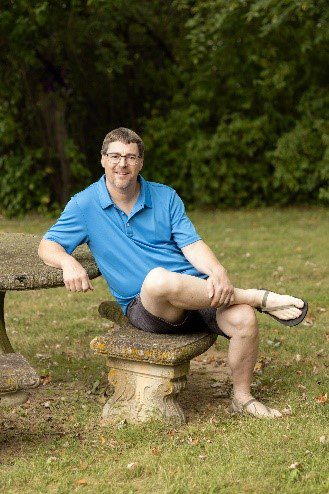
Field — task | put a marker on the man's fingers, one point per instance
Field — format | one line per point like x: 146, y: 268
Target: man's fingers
x: 78, y: 285
x: 85, y: 285
x: 210, y: 288
x: 216, y: 298
x: 72, y: 286
x: 90, y: 285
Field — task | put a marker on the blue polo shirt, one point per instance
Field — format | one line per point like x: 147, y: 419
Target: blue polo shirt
x: 127, y: 247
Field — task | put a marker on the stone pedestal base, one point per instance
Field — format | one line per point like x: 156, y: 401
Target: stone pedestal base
x: 15, y: 398
x: 145, y: 391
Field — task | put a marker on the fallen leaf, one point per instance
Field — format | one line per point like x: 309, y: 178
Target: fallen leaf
x: 323, y: 440
x: 322, y: 398
x: 298, y: 357
x: 122, y: 424
x: 287, y: 410
x: 202, y: 457
x: 309, y: 321
x: 132, y: 465
x: 51, y: 459
x: 274, y: 343
x: 322, y: 309
x: 45, y: 379
x: 46, y: 404
x: 154, y: 451
x: 81, y: 482
x: 192, y: 442
x: 295, y: 465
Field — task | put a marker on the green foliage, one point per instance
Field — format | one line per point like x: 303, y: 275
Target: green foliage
x: 231, y: 98
x: 23, y: 185
x: 257, y: 76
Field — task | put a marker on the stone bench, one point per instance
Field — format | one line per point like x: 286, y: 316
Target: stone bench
x: 16, y: 375
x: 147, y: 370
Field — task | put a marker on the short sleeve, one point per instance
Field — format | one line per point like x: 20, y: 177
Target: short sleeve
x: 70, y: 230
x: 183, y: 231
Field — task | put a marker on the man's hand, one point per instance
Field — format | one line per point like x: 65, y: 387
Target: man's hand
x: 75, y: 276
x: 220, y: 289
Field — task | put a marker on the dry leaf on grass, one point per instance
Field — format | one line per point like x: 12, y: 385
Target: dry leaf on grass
x: 322, y: 398
x: 51, y: 459
x: 192, y: 442
x: 287, y: 410
x: 132, y: 465
x: 81, y: 482
x: 309, y: 321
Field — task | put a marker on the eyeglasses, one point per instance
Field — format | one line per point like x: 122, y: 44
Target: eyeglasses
x: 115, y: 158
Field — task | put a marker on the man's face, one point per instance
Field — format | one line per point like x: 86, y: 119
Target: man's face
x: 122, y: 174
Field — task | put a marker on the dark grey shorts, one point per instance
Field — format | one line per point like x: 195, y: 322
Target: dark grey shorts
x: 195, y: 321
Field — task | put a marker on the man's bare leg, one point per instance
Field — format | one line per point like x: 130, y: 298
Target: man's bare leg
x: 239, y: 322
x: 166, y: 294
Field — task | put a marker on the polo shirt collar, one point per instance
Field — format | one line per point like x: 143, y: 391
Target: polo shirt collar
x: 106, y: 200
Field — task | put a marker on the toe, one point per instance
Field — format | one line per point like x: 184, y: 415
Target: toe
x: 276, y: 414
x: 297, y: 302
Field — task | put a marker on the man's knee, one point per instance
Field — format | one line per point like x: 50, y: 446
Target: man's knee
x: 159, y: 282
x: 246, y: 321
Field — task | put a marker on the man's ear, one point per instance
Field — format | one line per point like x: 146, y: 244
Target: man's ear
x: 141, y: 163
x: 103, y: 158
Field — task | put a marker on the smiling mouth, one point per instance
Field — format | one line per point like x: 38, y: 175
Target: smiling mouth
x: 122, y: 173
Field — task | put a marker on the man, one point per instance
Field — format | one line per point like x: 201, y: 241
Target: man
x: 165, y: 278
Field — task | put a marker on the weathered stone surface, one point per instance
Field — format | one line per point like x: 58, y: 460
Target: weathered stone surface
x: 22, y: 269
x: 16, y: 373
x: 144, y: 391
x: 127, y: 342
x: 147, y: 370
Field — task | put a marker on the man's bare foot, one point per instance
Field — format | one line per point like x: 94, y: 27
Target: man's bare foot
x: 255, y: 408
x: 280, y: 301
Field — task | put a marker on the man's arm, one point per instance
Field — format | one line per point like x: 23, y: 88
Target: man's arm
x: 220, y: 289
x: 75, y: 276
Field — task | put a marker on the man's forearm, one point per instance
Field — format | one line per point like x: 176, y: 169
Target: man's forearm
x: 53, y: 254
x: 202, y: 258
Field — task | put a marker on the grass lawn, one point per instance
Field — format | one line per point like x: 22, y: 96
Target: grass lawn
x: 55, y: 444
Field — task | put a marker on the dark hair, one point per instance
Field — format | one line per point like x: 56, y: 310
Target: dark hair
x: 123, y: 135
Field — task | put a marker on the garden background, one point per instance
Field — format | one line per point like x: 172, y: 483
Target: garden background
x: 231, y: 98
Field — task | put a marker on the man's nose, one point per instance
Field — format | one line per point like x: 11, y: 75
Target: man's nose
x: 123, y: 161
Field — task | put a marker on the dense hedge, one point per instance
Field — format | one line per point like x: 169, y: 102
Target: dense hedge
x: 231, y: 98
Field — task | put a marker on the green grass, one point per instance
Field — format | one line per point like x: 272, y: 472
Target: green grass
x: 55, y: 443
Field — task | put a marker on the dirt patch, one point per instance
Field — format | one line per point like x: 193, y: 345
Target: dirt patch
x: 208, y: 387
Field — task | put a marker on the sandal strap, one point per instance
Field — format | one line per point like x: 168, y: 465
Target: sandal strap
x: 266, y: 294
x: 278, y: 307
x: 245, y: 405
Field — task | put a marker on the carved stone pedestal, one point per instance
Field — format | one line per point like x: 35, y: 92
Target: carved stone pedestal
x: 144, y: 391
x: 147, y: 370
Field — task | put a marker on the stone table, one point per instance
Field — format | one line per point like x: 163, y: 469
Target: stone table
x: 22, y: 269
